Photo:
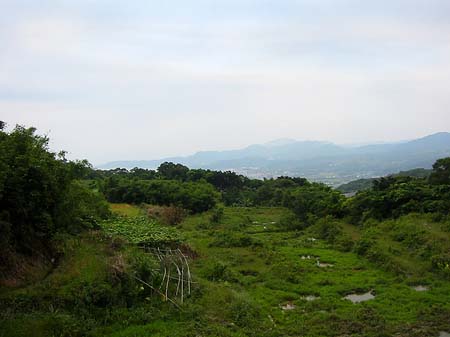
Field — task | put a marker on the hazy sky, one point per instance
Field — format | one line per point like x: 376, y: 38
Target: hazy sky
x: 146, y: 79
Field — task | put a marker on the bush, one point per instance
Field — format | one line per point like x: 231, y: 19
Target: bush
x: 244, y: 312
x: 217, y: 215
x: 193, y: 196
x: 220, y: 271
x: 441, y: 263
x: 328, y: 229
x: 291, y: 221
x: 363, y: 245
x: 168, y: 215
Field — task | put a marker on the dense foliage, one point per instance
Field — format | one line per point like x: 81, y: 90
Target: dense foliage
x: 392, y: 197
x: 40, y: 194
x: 193, y: 196
x: 365, y: 184
x: 198, y: 190
x: 441, y: 172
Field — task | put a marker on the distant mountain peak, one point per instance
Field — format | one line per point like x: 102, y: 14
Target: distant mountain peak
x: 280, y: 142
x: 438, y: 135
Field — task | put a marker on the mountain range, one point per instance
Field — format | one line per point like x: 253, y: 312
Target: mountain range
x: 316, y: 160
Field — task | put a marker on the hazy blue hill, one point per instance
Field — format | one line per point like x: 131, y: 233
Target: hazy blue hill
x: 315, y: 160
x: 364, y: 184
x: 280, y: 142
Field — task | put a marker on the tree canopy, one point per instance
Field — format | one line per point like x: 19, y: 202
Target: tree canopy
x: 39, y: 191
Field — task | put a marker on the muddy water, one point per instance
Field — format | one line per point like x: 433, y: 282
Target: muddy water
x: 288, y: 306
x: 356, y: 298
x: 421, y: 288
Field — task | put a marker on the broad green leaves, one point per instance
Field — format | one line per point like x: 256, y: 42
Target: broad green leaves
x: 140, y: 230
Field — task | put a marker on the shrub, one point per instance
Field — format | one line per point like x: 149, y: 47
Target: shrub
x: 441, y: 263
x: 194, y: 196
x: 220, y: 271
x: 168, y: 215
x: 291, y: 221
x: 244, y: 312
x: 328, y: 229
x: 216, y: 215
x: 363, y: 245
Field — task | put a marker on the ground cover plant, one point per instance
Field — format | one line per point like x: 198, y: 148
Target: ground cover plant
x: 139, y: 230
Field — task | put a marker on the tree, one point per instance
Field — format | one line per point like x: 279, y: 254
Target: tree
x: 39, y: 195
x: 172, y: 171
x: 441, y: 172
x: 314, y: 201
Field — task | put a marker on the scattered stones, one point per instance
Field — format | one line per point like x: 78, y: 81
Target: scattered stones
x: 311, y: 298
x: 357, y: 298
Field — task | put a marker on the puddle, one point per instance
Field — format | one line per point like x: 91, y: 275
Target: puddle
x: 288, y: 306
x: 444, y: 334
x: 324, y: 265
x: 311, y: 298
x: 356, y: 298
x: 421, y: 288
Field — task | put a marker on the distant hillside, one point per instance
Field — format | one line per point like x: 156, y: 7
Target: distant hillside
x: 365, y: 184
x: 315, y: 160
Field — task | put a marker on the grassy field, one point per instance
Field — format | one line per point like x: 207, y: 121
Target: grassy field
x: 125, y: 210
x: 251, y: 279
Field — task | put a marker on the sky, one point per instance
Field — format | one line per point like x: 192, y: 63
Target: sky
x: 121, y: 80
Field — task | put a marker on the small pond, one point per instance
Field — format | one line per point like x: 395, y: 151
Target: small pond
x: 421, y: 288
x: 324, y: 265
x: 357, y: 298
x: 288, y: 306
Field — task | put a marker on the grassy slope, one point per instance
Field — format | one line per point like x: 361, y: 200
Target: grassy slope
x: 278, y: 275
x: 245, y: 271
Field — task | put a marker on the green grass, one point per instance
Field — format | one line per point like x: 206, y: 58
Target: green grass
x: 245, y: 269
x: 274, y: 274
x: 125, y: 210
